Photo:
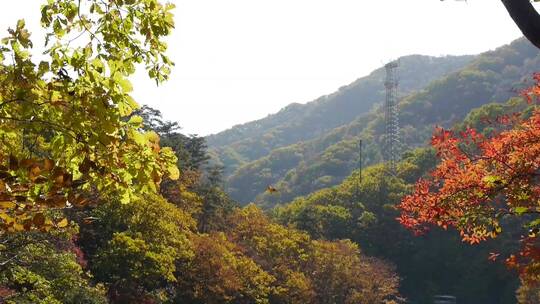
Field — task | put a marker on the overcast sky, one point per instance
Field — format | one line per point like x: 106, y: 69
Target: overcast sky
x: 240, y: 60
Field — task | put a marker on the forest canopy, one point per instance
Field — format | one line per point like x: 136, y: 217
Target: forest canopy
x: 102, y: 201
x: 105, y: 201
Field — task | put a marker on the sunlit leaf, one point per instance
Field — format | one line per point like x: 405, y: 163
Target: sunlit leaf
x: 63, y: 223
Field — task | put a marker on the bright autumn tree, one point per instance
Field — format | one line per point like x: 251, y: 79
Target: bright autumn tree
x: 483, y: 180
x: 67, y: 131
x: 220, y: 273
x: 310, y: 271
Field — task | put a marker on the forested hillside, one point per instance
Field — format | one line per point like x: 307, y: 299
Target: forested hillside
x: 363, y: 208
x: 364, y: 211
x: 306, y: 166
x: 300, y: 122
x: 103, y: 201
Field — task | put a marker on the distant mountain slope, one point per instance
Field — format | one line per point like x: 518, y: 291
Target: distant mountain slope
x: 325, y: 160
x: 300, y: 122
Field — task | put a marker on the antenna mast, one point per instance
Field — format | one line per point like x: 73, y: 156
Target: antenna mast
x: 391, y: 145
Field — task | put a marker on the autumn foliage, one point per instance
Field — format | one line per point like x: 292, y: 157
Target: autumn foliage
x: 484, y: 180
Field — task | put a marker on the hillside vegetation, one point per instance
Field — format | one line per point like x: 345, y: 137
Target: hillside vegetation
x: 103, y: 201
x: 300, y: 122
x: 363, y: 208
x: 325, y: 160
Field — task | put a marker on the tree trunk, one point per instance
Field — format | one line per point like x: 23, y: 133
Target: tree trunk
x: 526, y: 18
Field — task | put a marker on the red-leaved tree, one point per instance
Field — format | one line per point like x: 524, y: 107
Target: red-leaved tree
x: 481, y: 180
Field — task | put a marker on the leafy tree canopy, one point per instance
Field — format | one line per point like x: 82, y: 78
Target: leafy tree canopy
x: 52, y: 155
x: 482, y: 182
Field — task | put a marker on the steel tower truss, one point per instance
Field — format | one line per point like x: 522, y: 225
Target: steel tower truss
x: 391, y: 149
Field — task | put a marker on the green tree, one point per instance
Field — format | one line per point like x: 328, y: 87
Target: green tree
x: 429, y: 265
x: 216, y: 204
x: 52, y: 154
x: 191, y: 150
x: 134, y: 248
x: 45, y: 268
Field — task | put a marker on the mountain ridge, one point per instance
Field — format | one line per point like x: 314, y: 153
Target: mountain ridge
x: 326, y: 159
x: 299, y: 122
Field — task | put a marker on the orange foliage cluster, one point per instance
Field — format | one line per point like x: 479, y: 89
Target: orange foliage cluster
x: 23, y: 202
x: 482, y: 179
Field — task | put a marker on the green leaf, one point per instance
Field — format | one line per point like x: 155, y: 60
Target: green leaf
x: 123, y: 82
x: 534, y: 223
x: 136, y: 121
x: 520, y: 210
x: 20, y: 24
x: 138, y: 137
x: 125, y: 197
x: 43, y: 67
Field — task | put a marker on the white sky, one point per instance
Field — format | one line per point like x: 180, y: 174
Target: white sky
x: 240, y: 60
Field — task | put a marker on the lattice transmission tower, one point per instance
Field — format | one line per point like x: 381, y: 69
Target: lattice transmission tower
x: 391, y: 149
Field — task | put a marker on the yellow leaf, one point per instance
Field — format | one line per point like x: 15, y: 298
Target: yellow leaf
x: 173, y: 171
x: 135, y: 120
x: 7, y: 205
x: 152, y: 137
x: 18, y: 227
x: 63, y: 223
x: 125, y: 197
x: 6, y: 218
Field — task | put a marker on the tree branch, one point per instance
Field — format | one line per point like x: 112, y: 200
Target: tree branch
x: 526, y: 18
